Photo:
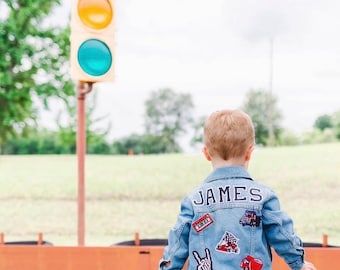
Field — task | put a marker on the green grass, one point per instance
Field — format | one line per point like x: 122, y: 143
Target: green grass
x: 128, y: 194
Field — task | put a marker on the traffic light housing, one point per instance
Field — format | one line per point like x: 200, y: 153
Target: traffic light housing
x: 92, y: 40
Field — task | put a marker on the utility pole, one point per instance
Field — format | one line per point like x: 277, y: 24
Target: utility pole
x: 270, y: 96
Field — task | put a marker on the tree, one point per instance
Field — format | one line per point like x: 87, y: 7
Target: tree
x: 336, y: 124
x: 198, y: 126
x: 33, y: 63
x: 328, y: 125
x: 95, y: 133
x: 35, y: 141
x: 141, y: 144
x: 63, y: 140
x: 257, y: 104
x: 318, y: 136
x: 323, y: 122
x: 288, y: 137
x: 167, y: 114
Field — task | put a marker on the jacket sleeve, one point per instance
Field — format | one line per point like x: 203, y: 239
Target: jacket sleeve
x: 279, y: 231
x: 176, y: 252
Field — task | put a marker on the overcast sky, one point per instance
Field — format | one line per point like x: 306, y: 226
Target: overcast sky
x: 218, y: 50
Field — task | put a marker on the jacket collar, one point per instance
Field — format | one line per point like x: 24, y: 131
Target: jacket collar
x: 228, y: 172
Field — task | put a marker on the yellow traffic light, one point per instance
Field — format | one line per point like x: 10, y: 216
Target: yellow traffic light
x: 92, y: 40
x: 95, y: 14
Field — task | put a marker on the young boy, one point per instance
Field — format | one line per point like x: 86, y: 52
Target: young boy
x: 231, y: 221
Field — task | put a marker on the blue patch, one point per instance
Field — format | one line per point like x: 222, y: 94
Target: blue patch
x: 251, y: 219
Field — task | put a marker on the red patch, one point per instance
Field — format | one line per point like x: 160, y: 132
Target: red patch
x: 228, y: 244
x: 251, y: 263
x: 202, y: 223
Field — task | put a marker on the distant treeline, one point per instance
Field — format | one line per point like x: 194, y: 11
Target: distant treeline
x: 55, y: 143
x: 168, y: 115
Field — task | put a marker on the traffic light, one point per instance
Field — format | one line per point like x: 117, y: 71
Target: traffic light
x: 92, y: 40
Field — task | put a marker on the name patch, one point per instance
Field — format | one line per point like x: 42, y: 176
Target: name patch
x: 225, y: 194
x: 202, y: 223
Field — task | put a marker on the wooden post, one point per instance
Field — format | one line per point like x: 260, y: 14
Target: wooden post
x: 2, y: 238
x: 40, y: 238
x: 324, y: 240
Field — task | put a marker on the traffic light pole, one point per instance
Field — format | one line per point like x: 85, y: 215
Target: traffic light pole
x: 91, y: 58
x: 83, y: 88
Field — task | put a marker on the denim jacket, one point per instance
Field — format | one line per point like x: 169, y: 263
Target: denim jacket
x: 231, y: 222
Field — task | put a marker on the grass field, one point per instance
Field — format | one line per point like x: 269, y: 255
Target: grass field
x: 128, y: 194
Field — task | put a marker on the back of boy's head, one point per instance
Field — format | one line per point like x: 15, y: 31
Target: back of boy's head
x: 228, y: 134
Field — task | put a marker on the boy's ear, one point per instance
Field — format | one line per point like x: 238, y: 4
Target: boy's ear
x: 206, y: 153
x: 249, y: 152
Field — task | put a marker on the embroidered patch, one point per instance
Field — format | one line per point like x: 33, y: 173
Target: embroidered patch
x: 204, y: 263
x: 202, y: 223
x: 251, y: 263
x: 250, y: 218
x: 228, y: 244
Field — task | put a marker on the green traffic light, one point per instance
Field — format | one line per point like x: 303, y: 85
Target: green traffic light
x: 94, y: 57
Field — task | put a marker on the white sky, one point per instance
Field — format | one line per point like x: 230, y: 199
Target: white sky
x: 218, y: 50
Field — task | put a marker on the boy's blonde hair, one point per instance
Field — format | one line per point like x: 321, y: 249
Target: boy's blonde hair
x: 228, y: 134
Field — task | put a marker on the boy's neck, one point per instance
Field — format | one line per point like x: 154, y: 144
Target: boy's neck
x: 217, y: 163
